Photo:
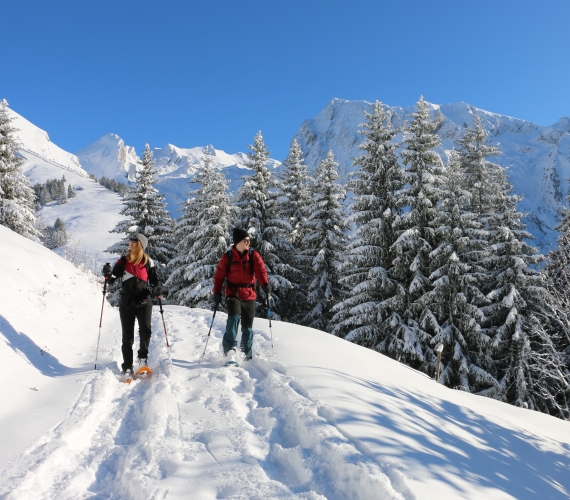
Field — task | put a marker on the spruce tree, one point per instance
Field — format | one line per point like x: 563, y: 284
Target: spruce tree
x: 294, y: 196
x: 482, y: 178
x: 556, y: 274
x: 529, y: 371
x: 202, y: 236
x: 258, y: 214
x: 325, y: 241
x: 17, y: 198
x: 454, y: 301
x: 146, y: 208
x: 411, y: 326
x: 295, y: 193
x: 365, y: 270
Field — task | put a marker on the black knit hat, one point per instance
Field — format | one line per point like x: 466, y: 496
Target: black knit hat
x: 239, y: 234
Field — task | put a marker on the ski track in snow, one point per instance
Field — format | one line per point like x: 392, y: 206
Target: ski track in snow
x: 200, y: 431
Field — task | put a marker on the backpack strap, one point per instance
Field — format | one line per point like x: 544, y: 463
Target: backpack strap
x: 230, y: 251
x: 251, y: 250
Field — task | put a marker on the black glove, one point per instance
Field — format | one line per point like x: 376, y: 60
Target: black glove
x: 157, y: 290
x: 107, y: 270
x: 266, y: 289
x: 217, y: 298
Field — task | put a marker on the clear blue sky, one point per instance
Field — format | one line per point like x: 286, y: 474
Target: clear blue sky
x: 215, y: 72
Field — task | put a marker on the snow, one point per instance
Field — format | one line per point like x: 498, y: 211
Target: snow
x: 322, y: 418
x: 88, y: 217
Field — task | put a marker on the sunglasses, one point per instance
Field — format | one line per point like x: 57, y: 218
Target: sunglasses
x: 133, y: 240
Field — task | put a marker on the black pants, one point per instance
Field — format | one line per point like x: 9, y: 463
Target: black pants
x: 128, y: 315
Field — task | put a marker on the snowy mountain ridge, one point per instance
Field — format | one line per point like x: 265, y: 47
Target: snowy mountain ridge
x: 36, y: 142
x: 109, y: 156
x: 537, y: 158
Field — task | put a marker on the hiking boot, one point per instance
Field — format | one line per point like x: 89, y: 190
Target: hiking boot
x: 128, y: 375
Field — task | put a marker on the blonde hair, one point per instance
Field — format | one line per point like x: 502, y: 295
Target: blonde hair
x: 137, y: 255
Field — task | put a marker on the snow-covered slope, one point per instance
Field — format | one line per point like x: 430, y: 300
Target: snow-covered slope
x: 49, y: 314
x: 110, y: 157
x: 90, y: 215
x: 322, y: 418
x: 537, y: 157
x: 36, y: 145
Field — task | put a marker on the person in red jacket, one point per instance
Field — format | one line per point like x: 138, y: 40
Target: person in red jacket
x: 240, y: 291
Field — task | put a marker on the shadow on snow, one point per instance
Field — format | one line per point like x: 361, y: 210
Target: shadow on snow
x: 25, y: 347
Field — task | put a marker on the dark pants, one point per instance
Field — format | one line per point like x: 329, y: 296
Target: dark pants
x: 128, y: 315
x: 244, y: 309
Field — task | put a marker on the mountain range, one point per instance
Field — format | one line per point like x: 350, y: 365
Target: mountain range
x: 110, y: 157
x: 537, y: 158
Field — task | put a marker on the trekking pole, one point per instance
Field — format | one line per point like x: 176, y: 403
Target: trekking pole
x: 164, y: 326
x: 163, y: 323
x: 270, y: 331
x: 210, y: 331
x: 101, y: 320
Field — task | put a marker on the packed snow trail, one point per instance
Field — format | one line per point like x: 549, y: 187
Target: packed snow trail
x: 200, y: 431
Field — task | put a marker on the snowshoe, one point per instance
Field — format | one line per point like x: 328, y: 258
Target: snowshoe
x: 144, y: 371
x: 231, y: 358
x: 128, y: 376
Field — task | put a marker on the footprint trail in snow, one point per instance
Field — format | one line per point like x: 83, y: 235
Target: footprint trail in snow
x: 200, y: 431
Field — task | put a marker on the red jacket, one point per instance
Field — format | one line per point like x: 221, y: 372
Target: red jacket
x: 240, y: 274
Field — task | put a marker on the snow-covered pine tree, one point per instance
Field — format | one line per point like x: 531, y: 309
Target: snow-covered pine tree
x: 521, y: 356
x: 56, y: 236
x: 529, y: 370
x: 455, y: 299
x: 202, y: 235
x: 294, y: 192
x: 556, y: 274
x: 258, y: 214
x: 62, y: 193
x: 17, y: 198
x: 369, y: 256
x: 406, y: 339
x: 294, y: 195
x: 146, y: 208
x: 325, y: 243
x: 482, y: 178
